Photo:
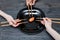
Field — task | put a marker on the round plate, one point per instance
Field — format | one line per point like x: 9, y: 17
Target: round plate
x: 33, y: 27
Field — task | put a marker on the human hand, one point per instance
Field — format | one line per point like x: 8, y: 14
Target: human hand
x: 11, y: 21
x: 47, y: 22
x: 30, y: 2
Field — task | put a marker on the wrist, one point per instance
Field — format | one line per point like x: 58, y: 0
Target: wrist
x: 48, y: 28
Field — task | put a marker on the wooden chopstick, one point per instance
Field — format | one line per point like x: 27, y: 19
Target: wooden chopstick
x: 50, y: 18
x: 31, y: 11
x: 56, y: 22
x: 7, y: 24
x: 28, y: 10
x: 52, y: 21
x: 55, y: 18
x: 7, y: 21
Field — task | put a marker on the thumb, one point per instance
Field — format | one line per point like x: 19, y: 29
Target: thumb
x: 13, y: 21
x: 43, y: 22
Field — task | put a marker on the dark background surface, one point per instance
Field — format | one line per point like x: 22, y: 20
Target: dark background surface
x: 51, y: 8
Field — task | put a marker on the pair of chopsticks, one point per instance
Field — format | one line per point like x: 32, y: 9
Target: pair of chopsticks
x: 37, y: 19
x: 55, y: 20
x: 30, y: 10
x: 7, y: 24
x: 50, y: 18
x: 4, y: 24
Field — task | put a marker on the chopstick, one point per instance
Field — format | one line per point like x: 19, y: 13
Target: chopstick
x: 56, y: 22
x: 7, y: 24
x: 37, y: 19
x: 31, y: 11
x: 57, y: 19
x: 28, y: 10
x: 50, y: 18
x: 52, y: 21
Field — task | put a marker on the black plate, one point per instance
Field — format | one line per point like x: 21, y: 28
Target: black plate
x: 34, y: 27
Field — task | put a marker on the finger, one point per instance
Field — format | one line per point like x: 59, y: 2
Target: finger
x: 13, y: 21
x: 17, y: 20
x: 17, y: 25
x: 33, y: 2
x: 30, y: 4
x: 43, y: 22
x: 10, y: 23
x: 44, y: 19
x: 27, y: 2
x: 48, y: 19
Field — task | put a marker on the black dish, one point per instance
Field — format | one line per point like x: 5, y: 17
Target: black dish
x: 34, y: 27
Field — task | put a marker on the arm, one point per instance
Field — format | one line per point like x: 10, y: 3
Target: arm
x: 47, y: 22
x: 53, y: 33
x: 9, y: 18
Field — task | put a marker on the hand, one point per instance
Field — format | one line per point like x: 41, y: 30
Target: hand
x: 30, y: 2
x: 11, y: 21
x: 47, y: 22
